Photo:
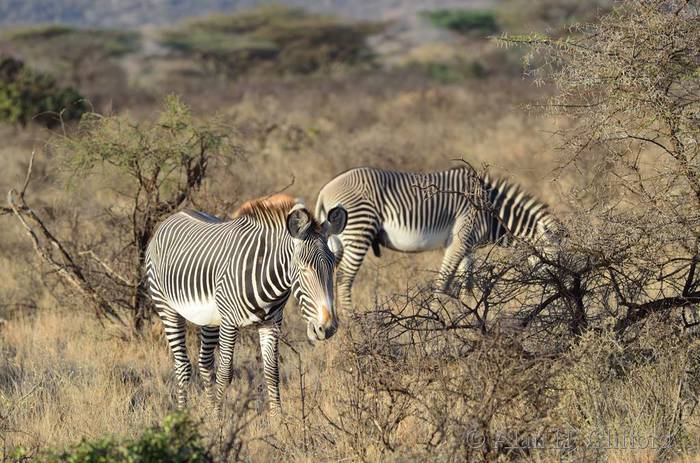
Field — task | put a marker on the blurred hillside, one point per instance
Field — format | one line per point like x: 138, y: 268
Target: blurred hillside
x: 134, y: 14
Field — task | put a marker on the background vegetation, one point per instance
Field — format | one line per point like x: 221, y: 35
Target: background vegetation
x: 30, y: 96
x: 591, y: 358
x: 272, y: 38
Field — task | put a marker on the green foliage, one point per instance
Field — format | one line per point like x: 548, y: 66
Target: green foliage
x: 454, y: 72
x: 176, y: 440
x: 276, y: 38
x: 27, y: 95
x: 154, y: 151
x: 464, y: 22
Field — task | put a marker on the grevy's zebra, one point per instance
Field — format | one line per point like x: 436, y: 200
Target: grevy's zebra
x: 226, y: 275
x: 454, y: 209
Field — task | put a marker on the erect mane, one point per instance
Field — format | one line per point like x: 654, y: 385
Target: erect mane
x: 496, y: 183
x: 275, y: 205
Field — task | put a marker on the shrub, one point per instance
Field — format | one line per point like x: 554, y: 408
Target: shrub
x: 158, y: 166
x: 282, y: 39
x: 464, y: 22
x: 176, y: 440
x: 27, y: 95
x: 458, y: 71
x: 631, y: 87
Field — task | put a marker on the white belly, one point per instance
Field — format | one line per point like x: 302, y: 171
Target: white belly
x: 200, y: 313
x: 406, y: 240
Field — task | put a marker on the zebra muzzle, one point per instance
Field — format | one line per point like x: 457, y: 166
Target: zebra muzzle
x: 316, y: 331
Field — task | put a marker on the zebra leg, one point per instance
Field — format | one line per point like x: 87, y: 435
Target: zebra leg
x: 228, y: 335
x: 269, y: 346
x: 175, y: 330
x: 466, y: 271
x: 209, y: 337
x: 454, y: 255
x: 444, y: 283
x: 353, y: 255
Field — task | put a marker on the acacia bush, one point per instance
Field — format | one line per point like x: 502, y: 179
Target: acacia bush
x: 161, y: 164
x: 630, y: 86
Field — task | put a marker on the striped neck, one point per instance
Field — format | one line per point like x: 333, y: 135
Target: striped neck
x: 514, y: 213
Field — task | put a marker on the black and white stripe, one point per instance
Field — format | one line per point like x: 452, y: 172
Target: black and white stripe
x: 413, y: 212
x: 224, y: 276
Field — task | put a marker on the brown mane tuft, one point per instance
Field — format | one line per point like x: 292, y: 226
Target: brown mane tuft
x: 277, y: 204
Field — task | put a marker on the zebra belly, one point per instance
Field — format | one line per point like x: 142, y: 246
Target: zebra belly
x: 401, y: 238
x: 199, y: 312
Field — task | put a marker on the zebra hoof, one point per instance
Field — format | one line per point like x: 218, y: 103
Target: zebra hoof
x: 451, y: 292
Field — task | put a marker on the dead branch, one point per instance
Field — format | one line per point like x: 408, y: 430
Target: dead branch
x: 110, y: 271
x: 53, y: 252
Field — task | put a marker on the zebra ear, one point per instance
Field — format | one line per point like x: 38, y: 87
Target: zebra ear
x: 298, y: 221
x: 336, y: 220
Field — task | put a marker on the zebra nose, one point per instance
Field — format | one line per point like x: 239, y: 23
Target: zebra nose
x: 325, y: 331
x: 320, y: 332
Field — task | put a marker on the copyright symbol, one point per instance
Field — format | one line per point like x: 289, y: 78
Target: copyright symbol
x: 475, y: 439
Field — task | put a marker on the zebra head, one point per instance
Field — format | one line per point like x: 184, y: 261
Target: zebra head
x: 312, y: 268
x: 548, y: 236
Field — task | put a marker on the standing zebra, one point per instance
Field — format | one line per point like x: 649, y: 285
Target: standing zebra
x: 223, y: 276
x: 454, y: 209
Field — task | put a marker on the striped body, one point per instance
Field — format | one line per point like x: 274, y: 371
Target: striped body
x: 224, y: 276
x: 414, y: 212
x: 202, y: 266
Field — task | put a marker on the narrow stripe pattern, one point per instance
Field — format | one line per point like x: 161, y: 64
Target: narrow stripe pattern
x: 225, y: 275
x: 456, y: 210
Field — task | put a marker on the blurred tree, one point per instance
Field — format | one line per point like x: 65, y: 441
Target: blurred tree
x: 471, y: 23
x: 276, y: 38
x: 82, y: 58
x: 27, y: 95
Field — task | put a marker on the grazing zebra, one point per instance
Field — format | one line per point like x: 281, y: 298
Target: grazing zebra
x: 454, y: 209
x: 223, y: 276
